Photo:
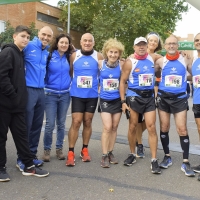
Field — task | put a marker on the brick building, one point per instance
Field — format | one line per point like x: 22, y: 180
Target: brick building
x: 40, y: 13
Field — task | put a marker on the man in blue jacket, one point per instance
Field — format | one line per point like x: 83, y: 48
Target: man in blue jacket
x: 35, y: 56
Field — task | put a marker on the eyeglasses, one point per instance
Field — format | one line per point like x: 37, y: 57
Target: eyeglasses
x: 171, y: 44
x: 196, y: 40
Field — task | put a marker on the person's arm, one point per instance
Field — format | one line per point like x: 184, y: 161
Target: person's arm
x: 158, y: 67
x: 6, y: 62
x: 100, y: 56
x: 188, y: 62
x: 125, y: 72
x: 72, y: 57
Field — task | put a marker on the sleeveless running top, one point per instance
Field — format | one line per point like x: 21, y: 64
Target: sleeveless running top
x: 85, y: 76
x: 174, y: 76
x: 141, y: 76
x: 196, y: 80
x: 109, y: 82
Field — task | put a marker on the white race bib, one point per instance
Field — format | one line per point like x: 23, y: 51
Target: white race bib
x: 145, y: 79
x: 110, y: 84
x: 173, y: 81
x: 84, y: 82
x: 196, y: 81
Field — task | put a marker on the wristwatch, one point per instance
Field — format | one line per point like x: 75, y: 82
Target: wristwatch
x: 123, y: 101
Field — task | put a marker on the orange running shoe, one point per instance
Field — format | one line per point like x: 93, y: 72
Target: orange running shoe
x: 85, y: 155
x: 70, y: 159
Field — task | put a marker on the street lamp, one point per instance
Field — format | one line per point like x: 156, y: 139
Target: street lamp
x: 68, y: 24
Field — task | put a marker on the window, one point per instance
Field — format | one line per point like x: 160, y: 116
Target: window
x: 47, y: 18
x: 2, y: 26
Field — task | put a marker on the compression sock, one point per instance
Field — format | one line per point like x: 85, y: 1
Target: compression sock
x: 164, y: 137
x: 185, y: 143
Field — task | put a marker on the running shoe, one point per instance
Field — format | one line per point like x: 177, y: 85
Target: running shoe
x: 105, y: 161
x: 155, y: 169
x: 37, y: 162
x: 167, y: 161
x: 85, y: 155
x: 20, y: 165
x: 35, y: 171
x: 59, y: 154
x: 112, y: 158
x: 70, y: 159
x: 130, y: 160
x: 196, y: 169
x: 4, y: 175
x: 187, y: 169
x: 140, y: 151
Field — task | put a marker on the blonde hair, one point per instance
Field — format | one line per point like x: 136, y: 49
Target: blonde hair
x: 112, y: 43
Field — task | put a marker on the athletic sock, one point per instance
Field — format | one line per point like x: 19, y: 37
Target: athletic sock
x: 71, y: 149
x: 85, y: 146
x: 164, y: 137
x: 185, y: 143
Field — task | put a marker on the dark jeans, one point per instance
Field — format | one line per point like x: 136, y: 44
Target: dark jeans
x: 34, y: 116
x: 17, y: 125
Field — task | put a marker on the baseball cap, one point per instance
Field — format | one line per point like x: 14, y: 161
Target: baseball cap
x: 140, y: 39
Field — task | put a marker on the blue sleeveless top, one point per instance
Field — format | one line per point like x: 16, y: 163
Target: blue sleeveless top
x: 141, y: 76
x: 109, y: 82
x: 85, y: 76
x: 174, y: 76
x: 196, y: 80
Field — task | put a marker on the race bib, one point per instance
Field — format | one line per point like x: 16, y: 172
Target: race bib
x: 173, y: 81
x: 145, y: 79
x: 110, y: 84
x: 196, y: 81
x: 84, y: 82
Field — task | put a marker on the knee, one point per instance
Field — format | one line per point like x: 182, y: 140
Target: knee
x: 151, y: 129
x: 164, y: 127
x: 87, y: 123
x: 182, y: 131
x: 132, y: 127
x: 76, y: 124
x: 107, y: 130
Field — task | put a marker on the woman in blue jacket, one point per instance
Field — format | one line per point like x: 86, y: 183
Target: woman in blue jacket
x: 57, y: 97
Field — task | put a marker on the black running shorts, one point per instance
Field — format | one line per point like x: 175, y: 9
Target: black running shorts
x: 82, y: 105
x: 112, y: 106
x: 141, y: 105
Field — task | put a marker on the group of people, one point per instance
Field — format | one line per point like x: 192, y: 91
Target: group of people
x: 34, y: 79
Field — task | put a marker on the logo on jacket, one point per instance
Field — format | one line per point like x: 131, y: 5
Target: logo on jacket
x: 33, y: 51
x: 110, y: 76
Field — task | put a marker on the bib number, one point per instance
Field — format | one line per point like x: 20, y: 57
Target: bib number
x: 145, y: 79
x: 110, y: 84
x: 196, y: 81
x: 84, y: 82
x: 173, y: 81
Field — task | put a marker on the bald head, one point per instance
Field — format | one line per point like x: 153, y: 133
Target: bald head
x: 87, y: 42
x: 45, y: 34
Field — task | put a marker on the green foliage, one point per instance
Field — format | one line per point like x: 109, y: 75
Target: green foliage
x: 123, y: 19
x: 7, y: 35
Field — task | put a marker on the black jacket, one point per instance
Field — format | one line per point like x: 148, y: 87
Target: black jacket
x: 13, y: 92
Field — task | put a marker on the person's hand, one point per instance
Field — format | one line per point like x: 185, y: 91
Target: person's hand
x: 124, y: 107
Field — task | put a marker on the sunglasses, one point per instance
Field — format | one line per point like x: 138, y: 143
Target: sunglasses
x: 196, y: 40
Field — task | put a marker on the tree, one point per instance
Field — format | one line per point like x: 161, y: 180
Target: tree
x: 123, y: 19
x: 7, y: 35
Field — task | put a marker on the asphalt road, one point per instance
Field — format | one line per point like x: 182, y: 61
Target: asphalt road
x: 90, y: 181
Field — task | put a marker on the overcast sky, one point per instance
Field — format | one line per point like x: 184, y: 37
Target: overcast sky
x: 188, y: 25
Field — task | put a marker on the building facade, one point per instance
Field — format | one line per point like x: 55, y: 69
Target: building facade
x: 40, y: 13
